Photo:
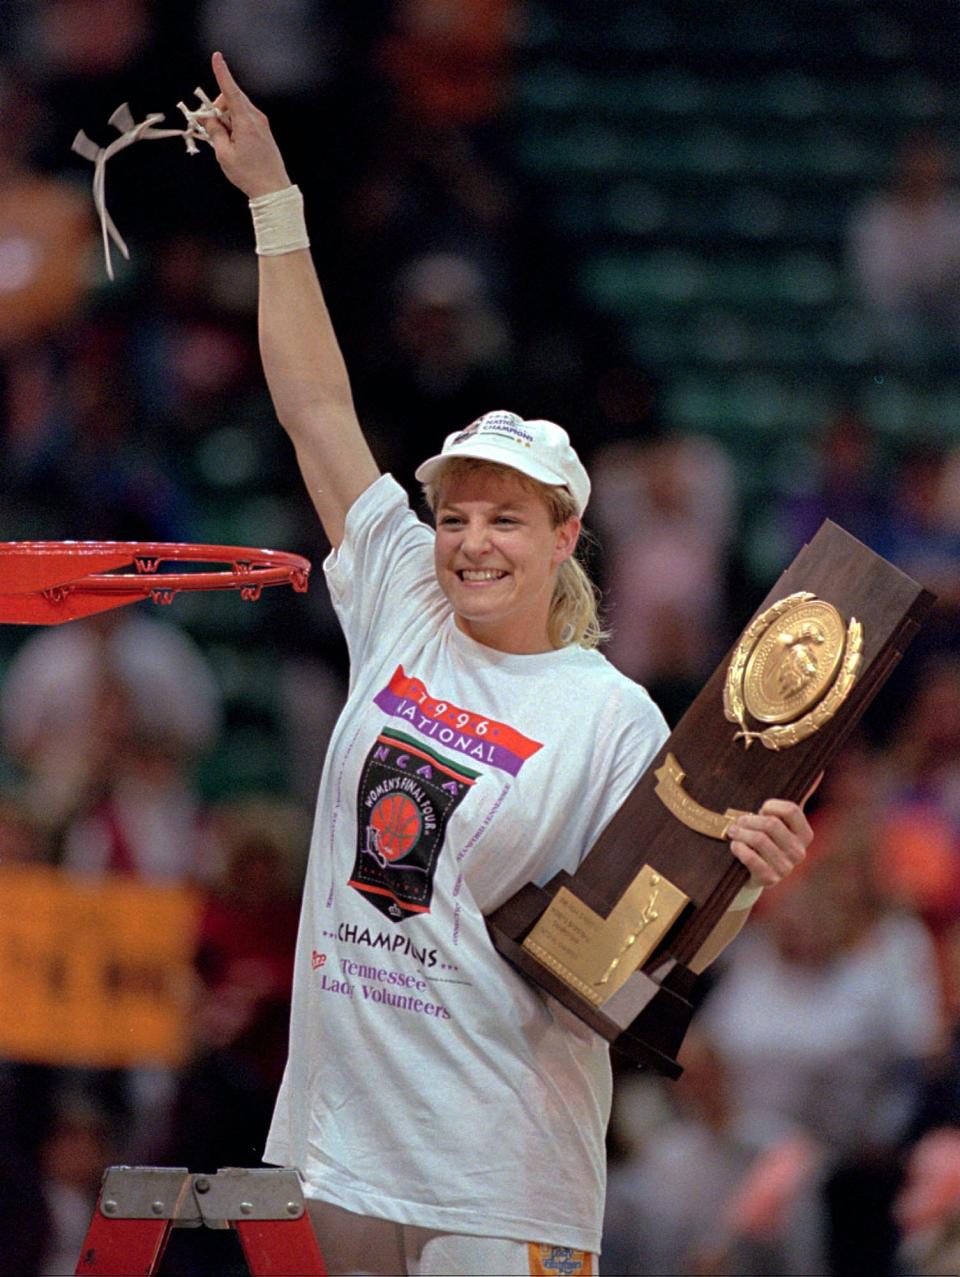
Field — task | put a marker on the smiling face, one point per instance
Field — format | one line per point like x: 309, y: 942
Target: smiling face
x: 497, y: 554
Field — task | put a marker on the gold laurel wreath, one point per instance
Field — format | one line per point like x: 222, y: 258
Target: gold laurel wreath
x: 734, y: 708
x: 788, y: 734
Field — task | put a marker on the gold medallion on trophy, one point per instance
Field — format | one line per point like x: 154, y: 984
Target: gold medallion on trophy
x: 792, y: 669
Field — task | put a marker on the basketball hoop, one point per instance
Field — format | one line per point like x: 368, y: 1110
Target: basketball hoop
x: 49, y: 582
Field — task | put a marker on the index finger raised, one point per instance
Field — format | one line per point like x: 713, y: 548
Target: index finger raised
x: 225, y: 81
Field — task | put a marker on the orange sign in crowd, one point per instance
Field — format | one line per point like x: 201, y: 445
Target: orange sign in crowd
x: 94, y: 972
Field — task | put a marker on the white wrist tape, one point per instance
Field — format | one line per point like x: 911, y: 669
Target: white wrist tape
x: 745, y: 898
x: 278, y: 222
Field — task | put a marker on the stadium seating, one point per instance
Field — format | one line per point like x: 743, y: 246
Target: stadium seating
x: 700, y: 164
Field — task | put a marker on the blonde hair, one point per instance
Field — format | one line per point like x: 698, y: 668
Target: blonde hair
x: 574, y: 616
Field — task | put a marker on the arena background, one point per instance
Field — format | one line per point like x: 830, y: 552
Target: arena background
x: 719, y: 243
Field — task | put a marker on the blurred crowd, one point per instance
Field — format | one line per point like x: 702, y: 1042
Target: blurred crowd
x: 817, y: 1126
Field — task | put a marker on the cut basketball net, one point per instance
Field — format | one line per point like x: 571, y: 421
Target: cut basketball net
x: 49, y: 582
x: 130, y: 132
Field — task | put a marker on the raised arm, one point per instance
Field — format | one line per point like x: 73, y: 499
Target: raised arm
x: 304, y: 368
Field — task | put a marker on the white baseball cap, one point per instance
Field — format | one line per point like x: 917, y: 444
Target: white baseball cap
x: 540, y: 449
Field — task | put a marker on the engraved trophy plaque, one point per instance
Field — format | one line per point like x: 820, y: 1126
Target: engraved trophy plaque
x: 613, y: 941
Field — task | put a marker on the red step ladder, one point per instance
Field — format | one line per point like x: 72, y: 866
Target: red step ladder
x: 139, y: 1205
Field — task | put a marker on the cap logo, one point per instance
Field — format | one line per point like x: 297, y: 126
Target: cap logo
x: 502, y: 425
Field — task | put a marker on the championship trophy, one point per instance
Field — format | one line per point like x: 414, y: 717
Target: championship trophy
x: 613, y: 941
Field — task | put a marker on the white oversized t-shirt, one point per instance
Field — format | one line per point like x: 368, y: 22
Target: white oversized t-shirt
x: 429, y: 1083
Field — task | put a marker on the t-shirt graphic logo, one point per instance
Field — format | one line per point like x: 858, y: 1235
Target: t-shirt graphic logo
x: 481, y: 739
x: 407, y: 792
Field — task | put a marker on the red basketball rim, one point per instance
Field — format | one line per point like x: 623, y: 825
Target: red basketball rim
x: 45, y: 582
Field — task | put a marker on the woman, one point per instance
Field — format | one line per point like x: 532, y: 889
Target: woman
x: 445, y: 1116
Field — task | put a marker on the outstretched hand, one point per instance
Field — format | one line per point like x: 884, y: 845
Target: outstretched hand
x: 242, y: 140
x: 772, y: 842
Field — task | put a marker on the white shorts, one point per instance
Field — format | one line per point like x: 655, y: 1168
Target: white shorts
x: 360, y: 1246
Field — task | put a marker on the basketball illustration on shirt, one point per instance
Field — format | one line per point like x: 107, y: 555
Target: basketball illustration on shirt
x: 395, y: 824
